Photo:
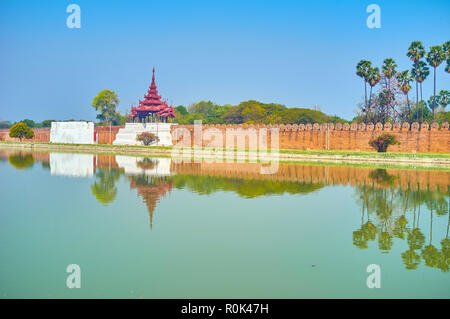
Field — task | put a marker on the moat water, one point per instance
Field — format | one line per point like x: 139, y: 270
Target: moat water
x: 156, y: 228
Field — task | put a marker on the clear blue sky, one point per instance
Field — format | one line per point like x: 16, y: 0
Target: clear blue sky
x: 297, y: 53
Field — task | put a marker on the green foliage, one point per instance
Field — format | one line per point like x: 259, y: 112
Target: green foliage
x: 181, y: 110
x: 416, y: 51
x: 21, y: 161
x: 21, y: 130
x: 381, y: 143
x: 47, y: 123
x: 247, y: 188
x: 253, y: 112
x: 105, y: 103
x: 104, y: 188
x: 362, y: 69
x: 436, y: 56
x: 147, y: 138
x: 29, y: 123
x: 388, y: 68
x: 420, y: 71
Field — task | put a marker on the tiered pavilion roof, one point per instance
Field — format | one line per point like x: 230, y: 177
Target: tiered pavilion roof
x: 152, y: 106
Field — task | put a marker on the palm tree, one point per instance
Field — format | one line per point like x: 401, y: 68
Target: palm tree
x: 444, y: 98
x: 415, y: 53
x: 362, y: 70
x: 373, y: 79
x: 446, y: 49
x: 403, y: 80
x: 435, y: 57
x: 388, y: 69
x: 420, y: 71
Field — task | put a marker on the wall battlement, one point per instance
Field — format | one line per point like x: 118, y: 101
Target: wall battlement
x: 312, y: 136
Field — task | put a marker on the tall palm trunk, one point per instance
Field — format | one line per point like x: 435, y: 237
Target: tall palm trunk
x: 370, y: 97
x: 365, y: 100
x: 421, y: 99
x: 417, y: 100
x: 409, y: 107
x: 434, y: 93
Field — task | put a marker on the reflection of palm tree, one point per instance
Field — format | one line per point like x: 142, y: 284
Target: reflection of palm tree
x: 104, y: 188
x: 416, y: 239
x: 385, y: 241
x: 400, y: 227
x: 359, y: 240
x: 411, y: 259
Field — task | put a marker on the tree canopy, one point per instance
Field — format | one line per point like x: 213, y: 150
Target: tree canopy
x: 250, y: 112
x: 21, y: 130
x: 106, y: 103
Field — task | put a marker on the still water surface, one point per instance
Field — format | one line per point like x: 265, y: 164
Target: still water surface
x: 153, y: 228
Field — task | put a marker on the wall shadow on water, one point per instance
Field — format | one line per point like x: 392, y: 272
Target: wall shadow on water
x: 393, y: 203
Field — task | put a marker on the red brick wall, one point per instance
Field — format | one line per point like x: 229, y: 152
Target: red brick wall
x: 40, y: 135
x: 339, y: 137
x: 104, y: 136
x: 307, y: 137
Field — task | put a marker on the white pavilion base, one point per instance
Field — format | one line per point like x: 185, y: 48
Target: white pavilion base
x: 128, y: 134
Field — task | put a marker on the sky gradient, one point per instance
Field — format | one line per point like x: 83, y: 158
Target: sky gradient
x: 296, y: 53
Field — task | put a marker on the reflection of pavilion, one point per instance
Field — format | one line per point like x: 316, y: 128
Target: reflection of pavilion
x: 151, y: 189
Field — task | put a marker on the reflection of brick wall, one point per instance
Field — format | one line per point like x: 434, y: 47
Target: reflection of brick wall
x: 104, y: 136
x: 40, y: 135
x: 325, y: 175
x: 339, y: 137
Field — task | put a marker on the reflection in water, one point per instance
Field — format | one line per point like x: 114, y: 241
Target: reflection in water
x: 71, y: 164
x: 393, y: 203
x: 104, y: 188
x: 384, y: 209
x: 21, y: 160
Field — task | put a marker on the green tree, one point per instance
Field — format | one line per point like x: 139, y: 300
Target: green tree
x: 104, y: 188
x: 182, y: 110
x: 21, y: 130
x: 47, y: 123
x: 374, y: 78
x: 443, y: 98
x: 362, y: 70
x: 403, y: 80
x: 446, y: 49
x: 435, y: 57
x: 21, y: 161
x: 420, y: 72
x: 105, y: 103
x: 416, y: 52
x: 29, y: 123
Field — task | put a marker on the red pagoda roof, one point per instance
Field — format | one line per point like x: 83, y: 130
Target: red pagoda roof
x: 152, y: 103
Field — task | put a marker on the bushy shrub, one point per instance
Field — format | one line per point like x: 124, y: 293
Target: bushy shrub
x: 21, y: 130
x: 381, y: 143
x: 147, y: 138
